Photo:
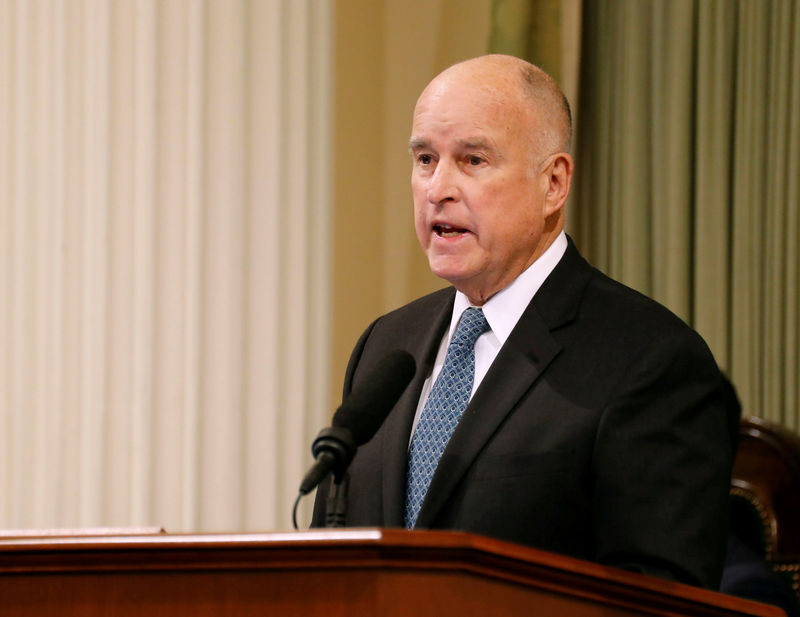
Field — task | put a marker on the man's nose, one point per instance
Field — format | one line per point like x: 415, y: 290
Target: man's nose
x: 444, y: 185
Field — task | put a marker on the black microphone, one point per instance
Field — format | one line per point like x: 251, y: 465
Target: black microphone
x: 359, y: 418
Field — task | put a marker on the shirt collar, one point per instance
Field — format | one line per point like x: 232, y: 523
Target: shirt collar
x: 504, y: 309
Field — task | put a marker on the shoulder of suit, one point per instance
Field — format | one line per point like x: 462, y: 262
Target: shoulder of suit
x: 627, y: 314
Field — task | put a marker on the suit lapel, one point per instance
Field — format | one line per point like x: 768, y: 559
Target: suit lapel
x: 511, y: 375
x: 525, y: 356
x: 397, y: 433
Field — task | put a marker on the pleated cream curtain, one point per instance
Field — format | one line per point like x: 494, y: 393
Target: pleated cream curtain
x: 164, y: 250
x: 688, y: 164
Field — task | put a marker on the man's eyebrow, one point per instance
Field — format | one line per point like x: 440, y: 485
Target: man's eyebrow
x: 417, y: 143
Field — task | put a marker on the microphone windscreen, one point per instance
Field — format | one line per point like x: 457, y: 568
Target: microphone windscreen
x: 368, y: 405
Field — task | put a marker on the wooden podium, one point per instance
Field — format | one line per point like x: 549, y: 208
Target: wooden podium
x: 370, y: 572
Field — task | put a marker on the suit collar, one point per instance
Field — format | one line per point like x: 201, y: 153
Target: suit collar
x: 504, y: 309
x: 558, y: 299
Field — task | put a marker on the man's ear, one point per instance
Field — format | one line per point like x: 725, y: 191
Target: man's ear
x: 559, y: 179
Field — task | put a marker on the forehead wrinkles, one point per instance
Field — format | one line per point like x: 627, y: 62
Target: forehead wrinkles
x: 478, y: 109
x: 465, y: 112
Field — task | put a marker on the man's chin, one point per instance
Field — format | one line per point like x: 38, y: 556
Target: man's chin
x: 449, y: 271
x: 470, y: 281
x: 459, y: 275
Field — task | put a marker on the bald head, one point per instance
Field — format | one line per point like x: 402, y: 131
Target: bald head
x: 523, y: 89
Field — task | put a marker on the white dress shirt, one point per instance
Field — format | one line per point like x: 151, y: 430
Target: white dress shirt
x: 502, y: 311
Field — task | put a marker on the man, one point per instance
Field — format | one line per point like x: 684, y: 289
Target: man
x: 571, y: 413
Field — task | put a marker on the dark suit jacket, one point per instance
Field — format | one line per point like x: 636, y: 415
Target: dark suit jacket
x: 603, y: 430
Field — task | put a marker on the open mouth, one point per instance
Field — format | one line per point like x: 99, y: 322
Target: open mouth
x: 446, y: 231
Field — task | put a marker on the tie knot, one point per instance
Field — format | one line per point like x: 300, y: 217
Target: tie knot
x: 470, y: 327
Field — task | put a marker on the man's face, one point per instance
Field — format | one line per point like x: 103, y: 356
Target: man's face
x: 479, y: 191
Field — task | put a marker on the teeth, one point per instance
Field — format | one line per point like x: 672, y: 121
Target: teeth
x: 447, y: 231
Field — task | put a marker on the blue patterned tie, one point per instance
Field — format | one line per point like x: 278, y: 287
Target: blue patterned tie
x: 448, y: 399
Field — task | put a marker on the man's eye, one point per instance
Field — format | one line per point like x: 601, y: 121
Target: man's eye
x: 475, y: 160
x: 425, y: 159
